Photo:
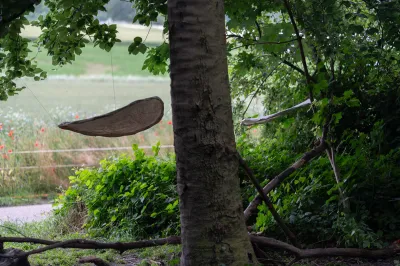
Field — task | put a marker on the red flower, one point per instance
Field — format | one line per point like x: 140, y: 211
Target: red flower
x: 42, y: 129
x: 10, y: 151
x: 76, y: 116
x: 11, y: 133
x: 37, y: 143
x: 5, y: 156
x: 169, y: 122
x: 254, y: 130
x: 1, y: 126
x: 1, y: 147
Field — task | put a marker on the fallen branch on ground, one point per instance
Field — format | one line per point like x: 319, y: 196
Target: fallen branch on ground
x: 325, y: 252
x: 174, y: 240
x: 279, y: 178
x: 85, y: 244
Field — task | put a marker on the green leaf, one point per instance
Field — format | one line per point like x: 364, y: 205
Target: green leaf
x: 137, y: 40
x: 78, y: 50
x: 337, y: 117
x: 356, y: 28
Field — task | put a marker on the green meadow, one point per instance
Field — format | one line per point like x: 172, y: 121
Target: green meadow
x: 95, y: 83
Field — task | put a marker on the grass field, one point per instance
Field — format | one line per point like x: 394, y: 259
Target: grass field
x: 95, y: 61
x: 28, y: 123
x: 126, y: 33
x: 84, y: 96
x: 81, y: 90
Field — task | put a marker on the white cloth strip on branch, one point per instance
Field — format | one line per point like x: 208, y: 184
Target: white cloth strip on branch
x: 268, y: 118
x: 89, y: 149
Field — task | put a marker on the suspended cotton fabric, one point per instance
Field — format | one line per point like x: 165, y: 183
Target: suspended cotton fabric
x: 129, y: 120
x: 268, y: 118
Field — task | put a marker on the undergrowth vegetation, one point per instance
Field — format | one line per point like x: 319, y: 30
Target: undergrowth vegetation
x: 50, y: 229
x: 126, y: 196
x: 138, y: 196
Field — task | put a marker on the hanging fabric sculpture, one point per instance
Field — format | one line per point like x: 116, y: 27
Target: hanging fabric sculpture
x: 129, y: 120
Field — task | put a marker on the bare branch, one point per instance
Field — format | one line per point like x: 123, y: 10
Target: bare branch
x: 174, y: 240
x: 258, y: 29
x: 259, y: 88
x: 86, y: 244
x: 294, y: 67
x: 279, y: 178
x: 331, y: 156
x: 261, y: 43
x: 234, y: 36
x: 299, y: 40
x: 325, y: 252
x: 267, y: 201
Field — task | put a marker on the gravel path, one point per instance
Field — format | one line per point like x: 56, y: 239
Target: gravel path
x: 25, y: 213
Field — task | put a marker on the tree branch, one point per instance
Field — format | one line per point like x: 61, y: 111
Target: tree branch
x: 279, y: 178
x: 174, y: 240
x: 260, y: 43
x: 267, y: 201
x: 258, y: 29
x: 325, y: 252
x: 331, y: 156
x: 299, y: 40
x: 25, y: 6
x: 259, y: 88
x: 85, y: 244
x: 294, y: 67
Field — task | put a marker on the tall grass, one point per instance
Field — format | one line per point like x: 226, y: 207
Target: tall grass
x: 21, y: 134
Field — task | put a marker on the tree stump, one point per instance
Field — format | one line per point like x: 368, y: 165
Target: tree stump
x: 13, y: 261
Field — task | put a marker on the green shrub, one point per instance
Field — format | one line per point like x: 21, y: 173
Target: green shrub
x: 126, y: 196
x: 309, y: 200
x: 138, y: 197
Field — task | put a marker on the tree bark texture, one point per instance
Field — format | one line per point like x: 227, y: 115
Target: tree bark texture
x: 212, y: 223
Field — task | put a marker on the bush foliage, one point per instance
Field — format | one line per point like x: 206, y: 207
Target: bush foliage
x: 138, y: 196
x: 126, y: 196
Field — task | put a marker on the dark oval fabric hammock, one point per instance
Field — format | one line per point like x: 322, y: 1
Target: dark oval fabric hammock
x: 128, y: 120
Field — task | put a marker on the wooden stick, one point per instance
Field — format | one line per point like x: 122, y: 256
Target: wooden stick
x: 267, y: 201
x: 174, y: 240
x: 279, y: 178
